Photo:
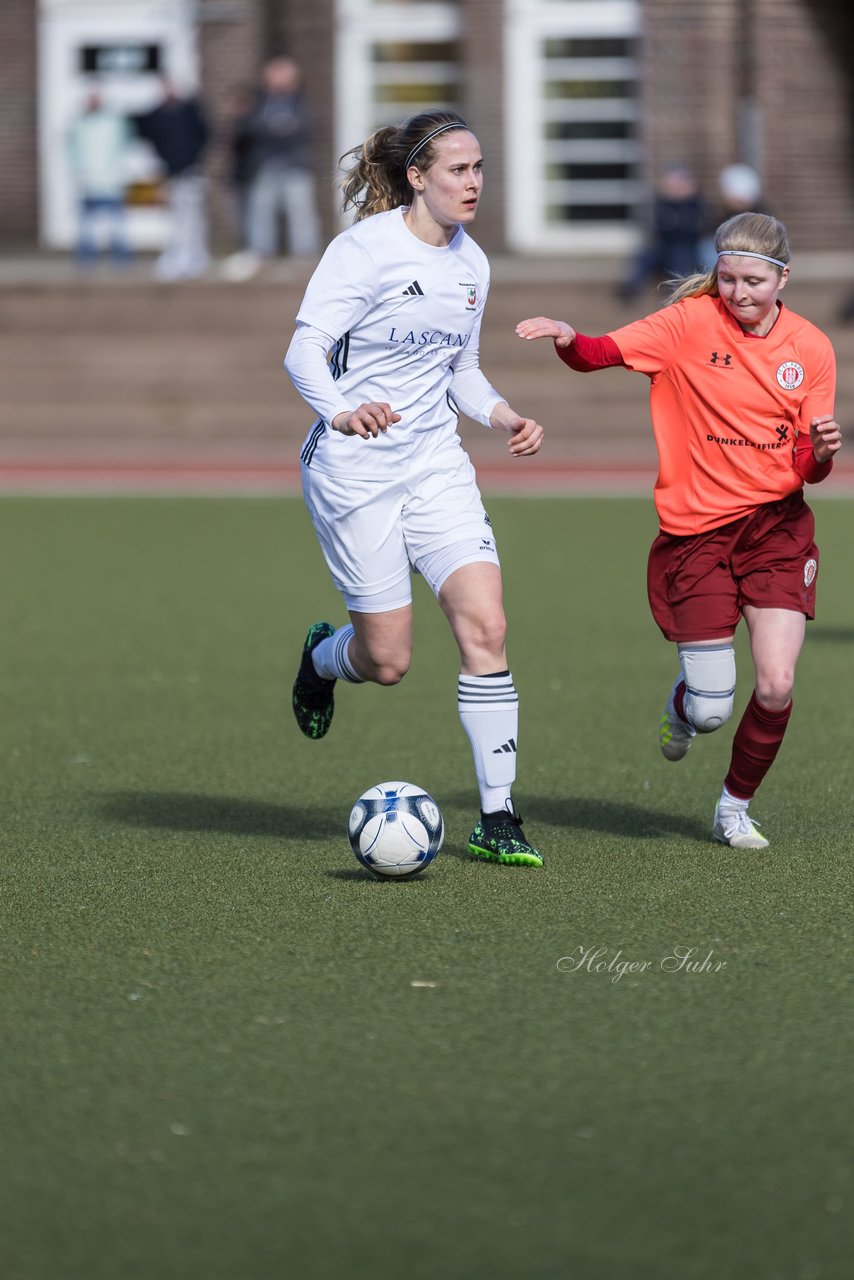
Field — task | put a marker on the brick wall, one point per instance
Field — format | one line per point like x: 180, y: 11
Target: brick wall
x: 18, y: 137
x: 795, y: 58
x: 483, y: 108
x: 232, y: 44
x: 804, y: 72
x: 698, y: 59
x: 305, y: 31
x: 689, y: 86
x: 233, y: 53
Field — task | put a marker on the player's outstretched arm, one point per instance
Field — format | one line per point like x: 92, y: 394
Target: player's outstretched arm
x: 366, y: 421
x: 541, y: 327
x: 826, y: 437
x: 526, y: 435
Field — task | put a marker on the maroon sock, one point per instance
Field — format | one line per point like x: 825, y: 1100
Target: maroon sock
x: 679, y: 701
x: 754, y: 747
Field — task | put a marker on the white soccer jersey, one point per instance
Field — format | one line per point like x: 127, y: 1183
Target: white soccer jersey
x: 400, y: 322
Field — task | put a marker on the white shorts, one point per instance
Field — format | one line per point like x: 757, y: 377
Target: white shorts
x: 373, y: 533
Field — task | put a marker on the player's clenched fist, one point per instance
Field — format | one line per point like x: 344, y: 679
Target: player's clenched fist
x: 526, y: 435
x: 826, y: 437
x: 527, y: 438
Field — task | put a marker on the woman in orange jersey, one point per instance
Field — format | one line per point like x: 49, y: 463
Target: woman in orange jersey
x: 741, y: 397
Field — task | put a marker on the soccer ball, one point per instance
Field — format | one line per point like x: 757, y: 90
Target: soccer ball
x: 396, y: 829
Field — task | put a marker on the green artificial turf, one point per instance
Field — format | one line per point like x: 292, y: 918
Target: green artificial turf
x: 229, y: 1053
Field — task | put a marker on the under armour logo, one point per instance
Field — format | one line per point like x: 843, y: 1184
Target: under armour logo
x: 508, y: 746
x: 783, y: 432
x: 724, y: 359
x: 415, y: 289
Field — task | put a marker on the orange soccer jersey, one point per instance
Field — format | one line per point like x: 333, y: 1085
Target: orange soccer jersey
x: 727, y: 407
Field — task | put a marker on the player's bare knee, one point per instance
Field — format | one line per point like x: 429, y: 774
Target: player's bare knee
x: 388, y: 669
x: 382, y: 664
x: 483, y: 638
x: 774, y: 690
x: 391, y: 673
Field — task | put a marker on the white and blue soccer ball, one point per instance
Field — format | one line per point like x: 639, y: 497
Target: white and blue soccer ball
x: 396, y: 829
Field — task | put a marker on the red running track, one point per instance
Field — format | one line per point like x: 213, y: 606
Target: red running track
x: 66, y: 476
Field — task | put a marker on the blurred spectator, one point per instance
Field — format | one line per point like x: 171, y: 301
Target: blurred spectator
x: 739, y: 191
x: 281, y: 161
x: 238, y: 105
x: 673, y: 248
x: 178, y: 132
x: 97, y: 146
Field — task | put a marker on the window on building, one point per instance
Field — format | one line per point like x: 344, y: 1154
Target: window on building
x: 572, y: 71
x: 395, y: 58
x: 589, y: 95
x: 408, y: 77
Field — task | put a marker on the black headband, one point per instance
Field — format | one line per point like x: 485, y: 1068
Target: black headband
x: 443, y: 128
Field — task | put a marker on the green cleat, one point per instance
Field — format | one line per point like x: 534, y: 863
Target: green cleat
x: 675, y: 735
x: 313, y: 697
x: 499, y: 837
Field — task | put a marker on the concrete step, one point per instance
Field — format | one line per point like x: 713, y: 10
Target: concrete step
x: 126, y: 367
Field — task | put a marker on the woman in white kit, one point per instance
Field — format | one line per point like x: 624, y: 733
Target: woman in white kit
x: 386, y: 354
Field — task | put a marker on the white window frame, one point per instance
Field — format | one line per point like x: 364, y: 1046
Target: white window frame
x: 358, y: 25
x: 64, y: 26
x: 527, y: 23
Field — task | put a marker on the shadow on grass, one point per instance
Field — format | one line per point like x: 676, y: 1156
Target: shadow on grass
x: 183, y: 811
x: 176, y: 811
x: 360, y: 874
x: 615, y: 818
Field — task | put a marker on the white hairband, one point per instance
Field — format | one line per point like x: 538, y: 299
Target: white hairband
x: 746, y: 253
x: 454, y: 124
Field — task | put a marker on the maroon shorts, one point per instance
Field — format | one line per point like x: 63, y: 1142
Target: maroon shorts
x: 698, y: 585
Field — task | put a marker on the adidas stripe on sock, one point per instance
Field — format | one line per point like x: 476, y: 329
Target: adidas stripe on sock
x: 489, y: 712
x: 331, y: 659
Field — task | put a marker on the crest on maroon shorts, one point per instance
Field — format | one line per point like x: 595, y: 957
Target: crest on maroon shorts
x: 810, y: 570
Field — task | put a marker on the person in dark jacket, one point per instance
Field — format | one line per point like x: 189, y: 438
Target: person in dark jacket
x: 238, y: 140
x: 673, y: 247
x: 178, y: 132
x: 281, y: 161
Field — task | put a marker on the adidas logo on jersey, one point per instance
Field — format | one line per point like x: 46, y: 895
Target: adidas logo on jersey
x: 509, y: 745
x: 415, y: 290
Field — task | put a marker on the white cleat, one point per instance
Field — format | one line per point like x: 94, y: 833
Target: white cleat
x: 674, y: 735
x: 734, y: 827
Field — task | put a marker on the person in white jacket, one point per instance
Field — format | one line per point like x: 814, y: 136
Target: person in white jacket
x: 97, y: 147
x: 386, y: 354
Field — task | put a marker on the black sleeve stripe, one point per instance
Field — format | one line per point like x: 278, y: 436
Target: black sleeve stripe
x: 310, y: 446
x: 339, y: 356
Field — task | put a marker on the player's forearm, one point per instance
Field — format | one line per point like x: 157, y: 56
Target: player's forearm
x: 807, y: 465
x: 308, y: 369
x: 586, y: 354
x: 472, y: 392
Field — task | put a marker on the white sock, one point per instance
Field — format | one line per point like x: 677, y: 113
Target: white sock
x: 489, y: 711
x: 731, y: 803
x: 331, y: 658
